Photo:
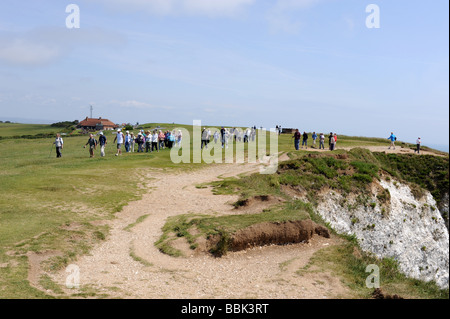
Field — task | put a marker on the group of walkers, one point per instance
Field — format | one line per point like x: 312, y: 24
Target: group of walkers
x: 225, y: 134
x: 332, y: 140
x: 144, y: 141
x: 156, y: 140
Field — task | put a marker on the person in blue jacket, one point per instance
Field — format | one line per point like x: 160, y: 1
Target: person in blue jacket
x: 314, y: 137
x: 392, y: 138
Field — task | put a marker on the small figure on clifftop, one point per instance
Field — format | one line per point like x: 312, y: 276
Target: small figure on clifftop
x: 392, y: 138
x: 305, y: 140
x: 418, y: 143
x: 314, y: 137
x: 321, y: 141
x: 296, y: 138
x: 332, y: 142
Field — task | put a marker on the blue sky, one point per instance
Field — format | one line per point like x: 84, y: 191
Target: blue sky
x: 308, y: 64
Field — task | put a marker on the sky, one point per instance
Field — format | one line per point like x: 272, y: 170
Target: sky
x: 314, y: 65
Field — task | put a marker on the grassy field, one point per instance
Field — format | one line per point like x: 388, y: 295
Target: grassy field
x: 41, y: 196
x: 15, y: 129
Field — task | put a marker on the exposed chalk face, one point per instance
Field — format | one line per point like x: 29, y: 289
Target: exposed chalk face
x: 412, y: 231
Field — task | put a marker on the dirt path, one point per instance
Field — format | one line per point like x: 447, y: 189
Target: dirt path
x: 397, y: 150
x: 128, y: 265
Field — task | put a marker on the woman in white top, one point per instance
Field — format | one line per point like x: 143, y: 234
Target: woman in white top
x: 155, y: 137
x: 120, y: 139
x: 418, y: 143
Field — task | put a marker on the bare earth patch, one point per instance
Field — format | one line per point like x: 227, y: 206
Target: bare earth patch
x: 128, y: 265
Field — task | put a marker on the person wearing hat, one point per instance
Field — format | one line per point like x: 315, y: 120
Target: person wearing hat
x: 148, y: 142
x: 140, y: 141
x: 132, y: 142
x: 127, y: 141
x: 418, y: 143
x: 205, y: 138
x: 155, y: 138
x: 102, y: 142
x: 92, y: 145
x: 120, y: 139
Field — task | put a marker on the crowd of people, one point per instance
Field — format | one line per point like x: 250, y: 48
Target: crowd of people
x: 225, y: 134
x: 144, y: 141
x: 320, y: 138
x: 156, y: 140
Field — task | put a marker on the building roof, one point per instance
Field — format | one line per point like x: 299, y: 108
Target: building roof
x: 90, y: 122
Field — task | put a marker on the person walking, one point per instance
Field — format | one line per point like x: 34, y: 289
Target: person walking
x: 92, y: 142
x: 179, y: 138
x: 227, y: 137
x: 155, y: 138
x: 127, y: 142
x: 392, y: 138
x: 148, y: 142
x: 329, y: 139
x: 59, y: 145
x: 335, y: 140
x: 132, y: 142
x: 205, y: 138
x: 314, y: 137
x: 171, y: 140
x: 161, y: 138
x: 120, y: 140
x: 305, y: 140
x: 332, y: 143
x: 140, y: 142
x: 216, y: 137
x: 102, y: 141
x: 418, y: 143
x: 321, y: 141
x: 222, y: 136
x: 296, y: 138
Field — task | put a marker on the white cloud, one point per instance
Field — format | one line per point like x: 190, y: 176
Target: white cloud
x: 137, y: 105
x: 23, y: 52
x: 295, y: 4
x: 281, y: 16
x: 181, y: 7
x: 41, y: 46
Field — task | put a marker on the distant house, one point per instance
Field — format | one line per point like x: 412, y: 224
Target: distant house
x: 97, y: 124
x: 287, y: 130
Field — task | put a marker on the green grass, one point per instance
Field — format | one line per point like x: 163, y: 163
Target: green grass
x: 184, y: 226
x: 50, y: 204
x: 15, y: 129
x: 351, y: 268
x: 41, y: 195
